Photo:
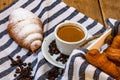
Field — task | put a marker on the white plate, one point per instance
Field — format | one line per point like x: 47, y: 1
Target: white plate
x: 46, y: 54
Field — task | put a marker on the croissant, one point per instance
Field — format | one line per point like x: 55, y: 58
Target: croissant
x: 26, y: 29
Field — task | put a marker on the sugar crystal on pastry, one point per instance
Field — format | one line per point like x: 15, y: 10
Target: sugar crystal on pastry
x: 26, y: 29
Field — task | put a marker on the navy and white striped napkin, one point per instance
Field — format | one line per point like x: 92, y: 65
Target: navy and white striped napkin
x: 51, y: 12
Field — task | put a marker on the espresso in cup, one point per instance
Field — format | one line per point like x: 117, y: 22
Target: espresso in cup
x: 69, y: 35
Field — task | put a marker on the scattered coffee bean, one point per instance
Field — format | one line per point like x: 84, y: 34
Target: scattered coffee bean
x: 18, y: 57
x: 24, y: 64
x: 54, y: 50
x: 53, y: 73
x: 29, y: 64
x: 15, y: 75
x: 23, y: 70
x: 17, y: 70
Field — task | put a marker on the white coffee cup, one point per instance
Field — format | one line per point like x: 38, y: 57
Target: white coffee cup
x: 66, y: 47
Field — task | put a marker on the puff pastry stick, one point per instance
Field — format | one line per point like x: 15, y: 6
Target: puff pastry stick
x: 113, y: 54
x: 100, y: 60
x: 116, y: 42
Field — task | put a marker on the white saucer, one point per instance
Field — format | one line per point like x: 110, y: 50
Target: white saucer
x: 46, y: 54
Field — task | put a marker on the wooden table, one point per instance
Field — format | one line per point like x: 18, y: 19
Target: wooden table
x: 96, y: 9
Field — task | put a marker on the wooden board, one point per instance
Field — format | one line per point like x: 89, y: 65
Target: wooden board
x: 110, y: 9
x: 96, y: 9
x: 89, y: 7
x: 5, y: 3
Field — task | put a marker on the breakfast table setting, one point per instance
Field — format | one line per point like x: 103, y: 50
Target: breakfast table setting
x: 20, y: 62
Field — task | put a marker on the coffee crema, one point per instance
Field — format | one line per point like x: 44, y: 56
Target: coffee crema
x: 70, y: 33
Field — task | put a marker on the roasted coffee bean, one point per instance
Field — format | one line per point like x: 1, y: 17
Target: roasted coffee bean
x: 17, y: 70
x: 24, y: 64
x: 15, y: 75
x: 53, y: 73
x: 29, y: 64
x: 23, y: 69
x: 18, y: 57
x: 54, y: 50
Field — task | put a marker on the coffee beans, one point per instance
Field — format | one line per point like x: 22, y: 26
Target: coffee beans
x: 23, y: 70
x: 62, y: 58
x: 53, y: 50
x: 53, y: 73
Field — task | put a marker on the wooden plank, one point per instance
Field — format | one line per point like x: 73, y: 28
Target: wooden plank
x: 110, y: 9
x: 88, y: 7
x: 5, y: 3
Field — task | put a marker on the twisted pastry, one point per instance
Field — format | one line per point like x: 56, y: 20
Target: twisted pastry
x: 26, y: 29
x: 101, y: 61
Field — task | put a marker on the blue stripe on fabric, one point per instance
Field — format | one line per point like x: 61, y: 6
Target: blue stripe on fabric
x: 103, y: 29
x: 109, y: 23
x: 83, y: 19
x: 6, y: 45
x: 34, y: 63
x: 4, y: 20
x: 113, y: 26
x: 71, y: 65
x: 9, y: 70
x: 24, y: 5
x: 15, y: 1
x: 110, y: 78
x: 40, y: 63
x: 56, y: 15
x: 49, y: 7
x: 83, y: 49
x: 32, y: 66
x: 6, y: 72
x: 73, y: 14
x: 4, y: 59
x: 37, y: 7
x: 91, y: 25
x: 82, y: 70
x: 96, y: 74
x: 43, y: 77
x: 27, y: 3
x: 3, y: 33
x: 13, y: 53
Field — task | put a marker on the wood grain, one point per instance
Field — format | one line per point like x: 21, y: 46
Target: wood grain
x: 96, y: 9
x: 89, y: 7
x: 5, y: 3
x: 110, y: 9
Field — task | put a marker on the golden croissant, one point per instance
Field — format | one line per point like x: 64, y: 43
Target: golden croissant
x: 26, y: 29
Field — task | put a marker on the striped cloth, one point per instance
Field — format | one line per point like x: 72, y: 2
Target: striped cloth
x: 51, y: 12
